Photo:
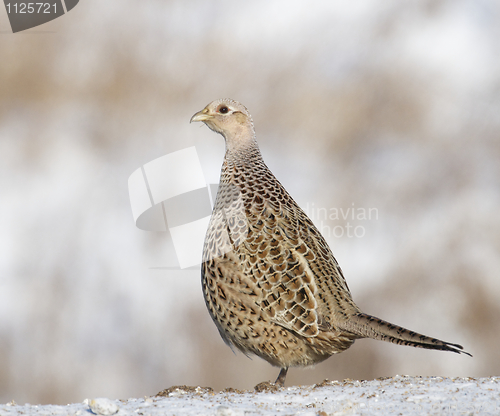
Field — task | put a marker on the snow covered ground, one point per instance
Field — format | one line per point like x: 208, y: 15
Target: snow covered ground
x: 398, y: 395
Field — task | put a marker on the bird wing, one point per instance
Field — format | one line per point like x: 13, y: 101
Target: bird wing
x: 292, y: 268
x: 266, y: 256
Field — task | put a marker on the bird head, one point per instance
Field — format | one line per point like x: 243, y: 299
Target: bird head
x: 227, y: 117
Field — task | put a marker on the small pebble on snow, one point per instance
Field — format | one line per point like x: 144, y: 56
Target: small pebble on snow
x: 103, y: 406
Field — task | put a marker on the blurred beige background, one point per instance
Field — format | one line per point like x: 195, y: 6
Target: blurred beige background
x: 393, y: 106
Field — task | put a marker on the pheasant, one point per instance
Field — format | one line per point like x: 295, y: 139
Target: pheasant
x: 270, y: 281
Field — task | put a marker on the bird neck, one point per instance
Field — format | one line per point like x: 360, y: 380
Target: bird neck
x: 242, y: 159
x: 242, y: 148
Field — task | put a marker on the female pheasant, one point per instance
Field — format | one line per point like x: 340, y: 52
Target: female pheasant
x: 270, y: 281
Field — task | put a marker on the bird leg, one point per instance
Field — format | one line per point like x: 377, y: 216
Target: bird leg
x: 280, y: 381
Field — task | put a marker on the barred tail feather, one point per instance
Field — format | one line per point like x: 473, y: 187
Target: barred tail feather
x: 366, y: 326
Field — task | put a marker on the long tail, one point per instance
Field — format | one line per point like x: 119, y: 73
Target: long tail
x: 366, y: 326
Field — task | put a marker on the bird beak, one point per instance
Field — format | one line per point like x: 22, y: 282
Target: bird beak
x: 201, y: 116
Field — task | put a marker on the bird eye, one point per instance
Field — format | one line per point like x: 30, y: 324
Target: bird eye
x: 223, y: 109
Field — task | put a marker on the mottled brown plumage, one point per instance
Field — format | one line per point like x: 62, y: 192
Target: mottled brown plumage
x: 270, y: 281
